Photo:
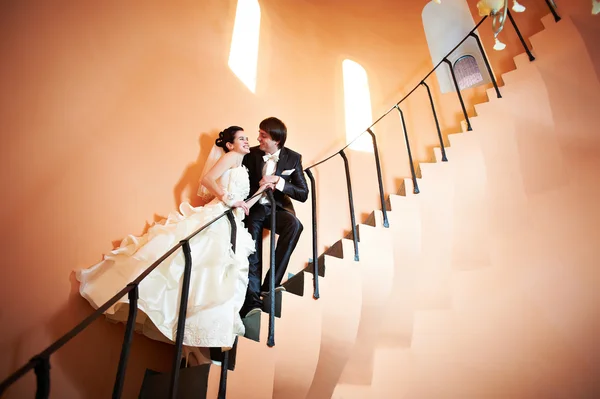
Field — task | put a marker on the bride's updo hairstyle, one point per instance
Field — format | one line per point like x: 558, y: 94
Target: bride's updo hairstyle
x: 227, y: 136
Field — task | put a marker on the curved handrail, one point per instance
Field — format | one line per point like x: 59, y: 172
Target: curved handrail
x: 40, y: 363
x: 45, y: 354
x: 403, y: 98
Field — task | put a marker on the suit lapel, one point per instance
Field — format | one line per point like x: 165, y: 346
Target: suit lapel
x: 283, y: 155
x: 260, y: 164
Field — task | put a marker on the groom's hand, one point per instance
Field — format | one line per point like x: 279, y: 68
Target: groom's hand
x: 269, y: 180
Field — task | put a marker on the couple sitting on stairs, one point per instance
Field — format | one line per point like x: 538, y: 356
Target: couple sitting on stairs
x: 225, y: 286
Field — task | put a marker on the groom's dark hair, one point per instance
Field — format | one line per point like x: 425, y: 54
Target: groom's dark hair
x: 276, y: 129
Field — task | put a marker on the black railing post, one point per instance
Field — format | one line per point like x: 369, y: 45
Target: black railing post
x: 410, y: 158
x: 127, y: 339
x: 437, y: 123
x: 271, y: 338
x: 222, y: 394
x: 351, y: 203
x: 185, y: 292
x: 552, y: 6
x: 41, y: 364
x: 231, y: 219
x: 315, y: 250
x: 42, y: 376
x: 487, y: 63
x: 379, y: 179
x: 462, y: 103
x: 514, y: 24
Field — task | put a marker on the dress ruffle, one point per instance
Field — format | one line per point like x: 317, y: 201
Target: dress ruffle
x: 218, y: 281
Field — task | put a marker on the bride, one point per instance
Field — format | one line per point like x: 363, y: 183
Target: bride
x: 219, y: 276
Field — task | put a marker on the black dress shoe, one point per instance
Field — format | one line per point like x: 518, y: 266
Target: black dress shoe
x: 251, y: 312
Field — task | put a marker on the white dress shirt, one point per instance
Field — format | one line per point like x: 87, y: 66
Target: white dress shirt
x: 269, y: 169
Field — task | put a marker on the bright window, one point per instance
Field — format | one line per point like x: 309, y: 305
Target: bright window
x: 243, y: 54
x: 357, y: 105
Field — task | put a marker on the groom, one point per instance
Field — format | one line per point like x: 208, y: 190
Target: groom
x: 271, y: 162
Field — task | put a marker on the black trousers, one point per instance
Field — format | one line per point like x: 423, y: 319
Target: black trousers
x: 289, y: 228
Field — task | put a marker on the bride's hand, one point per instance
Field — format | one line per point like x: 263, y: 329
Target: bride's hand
x: 264, y: 187
x: 243, y: 205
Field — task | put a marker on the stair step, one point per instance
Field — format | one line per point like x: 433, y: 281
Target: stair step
x: 295, y: 284
x: 349, y: 250
x: 247, y: 374
x: 320, y: 264
x: 341, y: 309
x: 548, y: 21
x: 376, y: 274
x: 437, y: 151
x: 218, y: 355
x: 511, y: 77
x: 336, y: 250
x: 455, y: 139
x: 385, y: 384
x: 301, y: 325
x: 427, y: 168
x: 522, y: 60
x: 193, y: 383
x: 278, y: 304
x: 376, y: 217
x: 465, y: 127
x: 408, y: 187
x: 491, y: 93
x: 405, y: 226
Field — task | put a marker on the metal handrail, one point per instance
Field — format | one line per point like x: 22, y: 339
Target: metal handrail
x: 315, y: 248
x: 445, y: 60
x: 40, y: 362
x: 403, y: 98
x: 369, y: 130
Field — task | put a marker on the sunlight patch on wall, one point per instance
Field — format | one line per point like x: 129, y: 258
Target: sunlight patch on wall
x: 357, y: 105
x: 243, y: 54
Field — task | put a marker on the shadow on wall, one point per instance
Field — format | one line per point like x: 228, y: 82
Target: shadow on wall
x: 186, y: 188
x: 189, y: 182
x: 91, y: 368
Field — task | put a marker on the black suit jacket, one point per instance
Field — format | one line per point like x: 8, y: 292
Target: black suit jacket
x: 295, y: 183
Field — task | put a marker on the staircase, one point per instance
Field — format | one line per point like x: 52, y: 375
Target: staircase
x: 485, y: 284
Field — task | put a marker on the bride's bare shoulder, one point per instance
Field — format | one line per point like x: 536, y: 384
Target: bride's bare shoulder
x: 229, y: 158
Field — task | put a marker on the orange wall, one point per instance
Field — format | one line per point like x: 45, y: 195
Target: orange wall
x: 107, y: 113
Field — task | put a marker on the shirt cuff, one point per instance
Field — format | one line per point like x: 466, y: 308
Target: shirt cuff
x: 280, y: 184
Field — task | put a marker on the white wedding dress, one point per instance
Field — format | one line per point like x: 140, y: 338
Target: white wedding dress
x: 218, y: 281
